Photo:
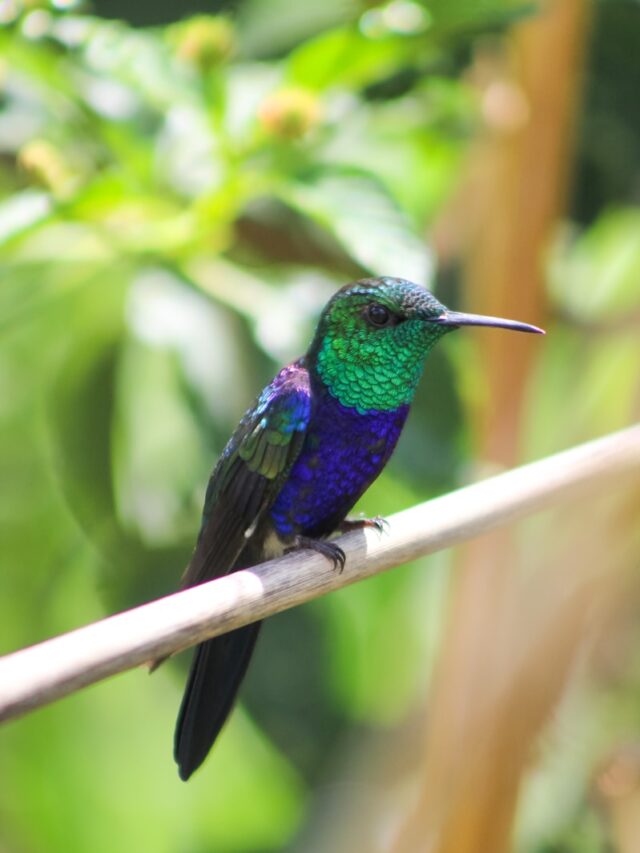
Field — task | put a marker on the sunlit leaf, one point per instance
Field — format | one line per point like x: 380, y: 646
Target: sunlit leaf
x: 596, y: 277
x: 22, y: 211
x: 345, y: 57
x: 365, y: 220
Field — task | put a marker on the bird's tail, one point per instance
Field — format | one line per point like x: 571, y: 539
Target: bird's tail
x: 217, y: 669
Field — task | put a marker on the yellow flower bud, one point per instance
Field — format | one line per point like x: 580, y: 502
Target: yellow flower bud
x: 46, y: 165
x: 290, y: 113
x: 205, y: 41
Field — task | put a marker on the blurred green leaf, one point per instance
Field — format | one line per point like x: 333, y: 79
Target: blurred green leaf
x: 364, y: 219
x: 266, y: 29
x: 345, y: 57
x: 81, y: 408
x: 478, y: 14
x: 23, y: 211
x: 595, y: 278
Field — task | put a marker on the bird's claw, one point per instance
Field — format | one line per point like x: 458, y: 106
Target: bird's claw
x: 380, y: 524
x: 330, y: 550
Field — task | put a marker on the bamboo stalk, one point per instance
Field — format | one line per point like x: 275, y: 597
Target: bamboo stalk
x: 57, y: 667
x: 517, y: 188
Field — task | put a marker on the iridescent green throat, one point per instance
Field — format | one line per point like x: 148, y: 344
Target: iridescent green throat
x: 376, y: 371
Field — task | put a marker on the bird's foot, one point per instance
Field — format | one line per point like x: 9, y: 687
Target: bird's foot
x: 378, y: 523
x: 330, y: 550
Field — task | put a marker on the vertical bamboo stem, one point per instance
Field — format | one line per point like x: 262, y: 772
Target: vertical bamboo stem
x: 471, y: 774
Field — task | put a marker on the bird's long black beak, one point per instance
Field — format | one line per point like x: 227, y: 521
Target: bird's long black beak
x: 456, y: 318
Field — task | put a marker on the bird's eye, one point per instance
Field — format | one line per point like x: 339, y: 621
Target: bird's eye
x: 379, y: 316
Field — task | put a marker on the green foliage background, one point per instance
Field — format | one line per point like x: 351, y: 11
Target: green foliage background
x: 178, y: 202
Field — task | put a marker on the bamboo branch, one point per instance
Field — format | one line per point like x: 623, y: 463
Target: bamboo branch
x: 53, y: 669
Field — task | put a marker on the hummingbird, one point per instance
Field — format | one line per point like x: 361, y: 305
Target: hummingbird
x: 310, y: 445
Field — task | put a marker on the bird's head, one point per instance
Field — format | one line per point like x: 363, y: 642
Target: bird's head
x: 373, y: 335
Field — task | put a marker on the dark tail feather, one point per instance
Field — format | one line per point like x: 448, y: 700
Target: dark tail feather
x: 217, y: 669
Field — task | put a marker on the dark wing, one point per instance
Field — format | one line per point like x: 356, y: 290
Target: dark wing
x: 250, y: 473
